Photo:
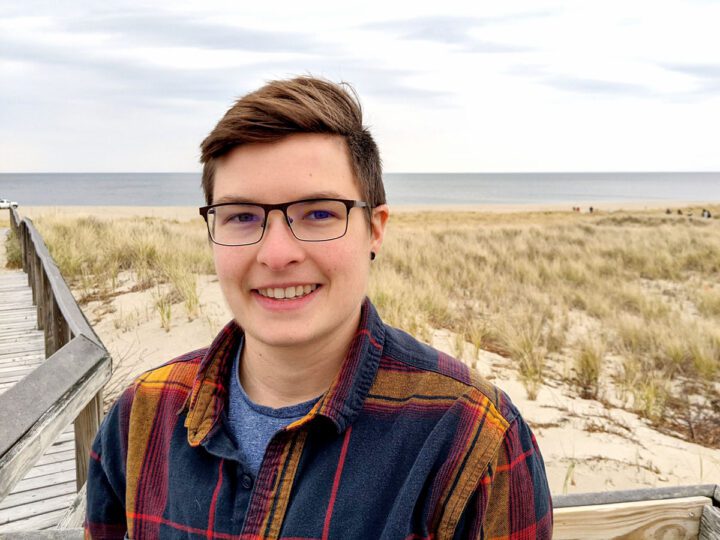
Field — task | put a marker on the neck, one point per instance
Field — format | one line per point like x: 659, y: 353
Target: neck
x: 282, y: 376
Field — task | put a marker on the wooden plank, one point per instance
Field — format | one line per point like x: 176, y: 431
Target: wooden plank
x: 49, y: 398
x: 52, y: 534
x: 6, y: 314
x: 710, y: 523
x: 25, y: 359
x: 670, y: 518
x: 17, y: 285
x: 37, y: 508
x: 32, y: 360
x: 17, y: 330
x: 40, y: 481
x: 56, y: 457
x: 22, y: 336
x: 14, y: 379
x: 51, y: 468
x: 14, y: 368
x: 16, y: 325
x: 54, y: 490
x: 13, y: 348
x: 15, y: 371
x: 29, y: 344
x: 58, y: 447
x: 20, y: 348
x: 33, y: 524
x: 13, y: 294
x: 67, y: 435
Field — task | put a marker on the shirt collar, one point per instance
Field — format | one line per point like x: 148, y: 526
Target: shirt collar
x: 340, y: 404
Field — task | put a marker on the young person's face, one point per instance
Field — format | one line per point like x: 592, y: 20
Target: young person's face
x: 300, y: 166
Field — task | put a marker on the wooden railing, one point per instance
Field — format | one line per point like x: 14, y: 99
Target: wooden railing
x: 67, y: 387
x: 682, y: 512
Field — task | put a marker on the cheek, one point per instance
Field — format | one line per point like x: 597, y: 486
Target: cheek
x: 226, y: 262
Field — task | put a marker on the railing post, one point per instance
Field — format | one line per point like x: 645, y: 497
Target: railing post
x: 38, y: 288
x: 49, y: 317
x: 24, y: 240
x: 86, y: 426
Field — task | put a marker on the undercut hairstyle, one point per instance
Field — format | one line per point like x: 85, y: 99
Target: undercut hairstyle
x: 300, y: 105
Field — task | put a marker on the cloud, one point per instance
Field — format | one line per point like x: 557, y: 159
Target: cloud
x: 452, y: 31
x: 163, y: 29
x: 581, y: 85
x: 596, y: 86
x: 94, y: 74
x: 706, y: 75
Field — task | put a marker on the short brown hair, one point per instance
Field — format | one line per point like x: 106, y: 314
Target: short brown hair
x: 299, y: 105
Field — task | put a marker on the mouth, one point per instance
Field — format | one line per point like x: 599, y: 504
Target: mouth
x: 288, y: 293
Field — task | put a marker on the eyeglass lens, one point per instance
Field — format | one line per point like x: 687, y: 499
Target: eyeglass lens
x: 240, y: 224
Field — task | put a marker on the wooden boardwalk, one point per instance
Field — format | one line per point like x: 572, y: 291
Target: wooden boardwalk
x: 39, y: 500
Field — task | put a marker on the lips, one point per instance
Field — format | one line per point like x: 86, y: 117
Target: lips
x: 282, y: 293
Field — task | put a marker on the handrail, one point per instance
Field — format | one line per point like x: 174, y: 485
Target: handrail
x: 711, y: 491
x: 37, y: 409
x: 67, y: 386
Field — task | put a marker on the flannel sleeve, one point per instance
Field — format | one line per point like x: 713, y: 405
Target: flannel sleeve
x: 512, y: 500
x: 105, y: 515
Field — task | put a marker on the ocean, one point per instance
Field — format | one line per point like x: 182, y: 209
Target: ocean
x: 183, y: 189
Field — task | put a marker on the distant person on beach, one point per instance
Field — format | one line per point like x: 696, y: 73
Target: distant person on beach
x: 307, y: 416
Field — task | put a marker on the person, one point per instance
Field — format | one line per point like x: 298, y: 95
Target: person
x: 307, y: 416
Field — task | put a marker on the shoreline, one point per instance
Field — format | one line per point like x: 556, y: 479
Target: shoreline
x: 186, y: 213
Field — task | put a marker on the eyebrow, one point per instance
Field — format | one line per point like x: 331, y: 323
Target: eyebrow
x: 244, y: 200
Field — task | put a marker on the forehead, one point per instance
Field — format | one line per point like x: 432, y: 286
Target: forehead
x: 295, y: 167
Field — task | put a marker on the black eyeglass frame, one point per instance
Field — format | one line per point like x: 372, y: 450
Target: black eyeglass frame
x: 267, y: 208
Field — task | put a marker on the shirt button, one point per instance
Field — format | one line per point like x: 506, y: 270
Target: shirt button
x: 246, y: 481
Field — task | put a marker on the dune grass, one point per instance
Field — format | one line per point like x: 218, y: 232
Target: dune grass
x: 646, y: 282
x: 628, y: 297
x: 13, y: 253
x: 92, y: 253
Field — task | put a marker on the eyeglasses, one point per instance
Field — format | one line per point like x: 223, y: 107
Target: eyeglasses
x: 310, y: 220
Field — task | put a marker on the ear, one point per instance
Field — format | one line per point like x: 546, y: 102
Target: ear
x: 378, y: 222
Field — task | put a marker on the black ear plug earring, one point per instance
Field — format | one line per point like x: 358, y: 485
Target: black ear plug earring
x: 372, y: 255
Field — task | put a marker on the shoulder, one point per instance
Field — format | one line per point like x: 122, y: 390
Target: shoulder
x: 177, y: 374
x: 447, y: 376
x: 487, y: 445
x: 170, y: 382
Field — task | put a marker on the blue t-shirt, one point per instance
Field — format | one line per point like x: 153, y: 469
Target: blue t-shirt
x: 251, y: 425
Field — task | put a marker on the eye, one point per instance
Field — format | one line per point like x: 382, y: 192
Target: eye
x: 242, y: 217
x: 319, y: 215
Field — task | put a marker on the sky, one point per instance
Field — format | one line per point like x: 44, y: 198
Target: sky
x: 446, y: 86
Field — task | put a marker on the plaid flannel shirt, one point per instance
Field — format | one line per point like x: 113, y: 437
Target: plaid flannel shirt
x: 407, y: 444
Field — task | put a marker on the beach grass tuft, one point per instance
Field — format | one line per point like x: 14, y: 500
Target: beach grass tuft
x: 13, y: 253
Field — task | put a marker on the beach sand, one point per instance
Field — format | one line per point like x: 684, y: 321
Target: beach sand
x: 587, y: 446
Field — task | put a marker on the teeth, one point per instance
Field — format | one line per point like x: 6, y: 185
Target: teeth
x: 288, y: 292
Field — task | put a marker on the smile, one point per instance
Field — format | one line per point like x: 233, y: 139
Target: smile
x: 278, y: 293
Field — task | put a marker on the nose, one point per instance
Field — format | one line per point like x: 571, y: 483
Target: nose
x: 279, y: 247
